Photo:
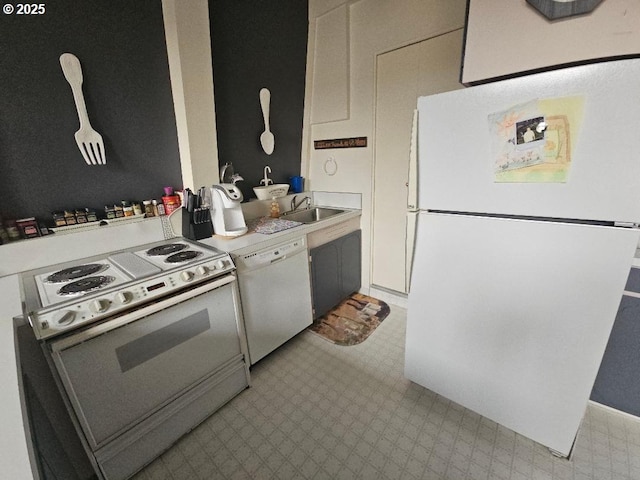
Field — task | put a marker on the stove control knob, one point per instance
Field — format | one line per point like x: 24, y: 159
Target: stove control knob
x: 99, y: 306
x: 66, y: 318
x: 186, y: 276
x: 202, y: 270
x: 124, y: 297
x: 220, y: 264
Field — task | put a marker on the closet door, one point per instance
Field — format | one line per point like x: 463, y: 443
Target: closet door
x: 425, y: 68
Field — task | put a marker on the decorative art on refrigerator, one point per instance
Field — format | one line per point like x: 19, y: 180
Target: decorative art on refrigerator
x: 532, y: 142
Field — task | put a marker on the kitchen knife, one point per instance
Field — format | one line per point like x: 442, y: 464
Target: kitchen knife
x: 189, y: 200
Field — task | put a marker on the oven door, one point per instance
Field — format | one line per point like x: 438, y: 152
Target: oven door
x: 121, y: 371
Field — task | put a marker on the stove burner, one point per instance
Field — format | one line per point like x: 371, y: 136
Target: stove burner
x: 182, y: 256
x: 78, y: 271
x: 166, y: 249
x: 85, y: 285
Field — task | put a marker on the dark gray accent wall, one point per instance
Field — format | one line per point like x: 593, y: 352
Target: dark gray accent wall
x: 256, y: 44
x: 122, y: 51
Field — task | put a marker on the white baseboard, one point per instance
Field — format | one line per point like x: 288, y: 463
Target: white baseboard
x: 613, y: 410
x: 392, y: 298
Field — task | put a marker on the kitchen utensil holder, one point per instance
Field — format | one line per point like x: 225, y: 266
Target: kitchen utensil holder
x: 197, y: 225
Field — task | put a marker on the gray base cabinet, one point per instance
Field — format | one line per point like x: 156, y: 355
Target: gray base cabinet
x: 335, y: 271
x: 618, y: 382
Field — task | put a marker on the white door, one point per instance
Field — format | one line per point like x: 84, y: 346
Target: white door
x: 425, y: 68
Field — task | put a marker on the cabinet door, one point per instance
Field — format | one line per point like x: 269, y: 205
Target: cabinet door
x: 336, y: 271
x: 350, y: 263
x: 618, y: 383
x: 325, y: 261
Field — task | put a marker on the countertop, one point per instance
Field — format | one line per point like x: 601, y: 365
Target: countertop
x: 256, y: 241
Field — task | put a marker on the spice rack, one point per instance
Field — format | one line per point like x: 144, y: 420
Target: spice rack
x: 81, y: 227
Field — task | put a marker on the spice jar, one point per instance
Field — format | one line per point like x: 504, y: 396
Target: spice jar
x: 81, y: 216
x: 137, y: 208
x: 127, y: 208
x: 70, y: 217
x: 12, y: 230
x: 118, y: 210
x: 58, y: 219
x: 91, y: 215
x: 109, y: 212
x: 158, y: 208
x: 148, y: 208
x: 28, y: 227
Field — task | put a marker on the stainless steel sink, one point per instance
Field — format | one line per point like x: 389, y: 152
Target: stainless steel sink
x: 311, y: 215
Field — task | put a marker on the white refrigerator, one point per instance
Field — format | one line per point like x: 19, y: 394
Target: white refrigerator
x: 524, y: 242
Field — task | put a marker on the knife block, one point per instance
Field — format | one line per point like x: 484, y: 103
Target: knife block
x: 196, y: 228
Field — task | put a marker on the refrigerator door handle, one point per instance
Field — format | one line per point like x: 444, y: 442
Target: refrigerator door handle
x: 412, y: 183
x: 412, y: 220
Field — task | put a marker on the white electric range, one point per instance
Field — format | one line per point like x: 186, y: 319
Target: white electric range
x: 70, y: 295
x: 144, y: 344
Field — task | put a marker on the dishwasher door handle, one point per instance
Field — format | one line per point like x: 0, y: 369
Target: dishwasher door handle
x: 275, y: 260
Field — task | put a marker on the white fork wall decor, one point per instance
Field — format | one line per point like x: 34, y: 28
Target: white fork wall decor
x: 89, y: 141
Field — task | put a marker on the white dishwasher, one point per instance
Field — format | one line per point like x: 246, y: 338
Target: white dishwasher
x: 275, y: 291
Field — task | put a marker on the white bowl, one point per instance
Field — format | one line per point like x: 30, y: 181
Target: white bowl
x: 267, y: 193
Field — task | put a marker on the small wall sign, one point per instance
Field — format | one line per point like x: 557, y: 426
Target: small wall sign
x: 340, y: 143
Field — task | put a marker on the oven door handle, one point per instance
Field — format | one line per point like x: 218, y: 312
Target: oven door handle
x: 128, y: 317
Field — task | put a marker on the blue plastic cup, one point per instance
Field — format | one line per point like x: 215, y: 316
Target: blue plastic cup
x: 297, y: 184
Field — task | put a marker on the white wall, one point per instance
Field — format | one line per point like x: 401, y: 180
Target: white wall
x: 507, y: 36
x: 189, y: 51
x: 374, y: 27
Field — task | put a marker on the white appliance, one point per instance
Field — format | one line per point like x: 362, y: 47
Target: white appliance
x: 515, y: 286
x: 143, y: 343
x: 226, y: 210
x: 275, y: 289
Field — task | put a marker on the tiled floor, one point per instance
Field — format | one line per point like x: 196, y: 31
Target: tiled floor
x: 318, y: 411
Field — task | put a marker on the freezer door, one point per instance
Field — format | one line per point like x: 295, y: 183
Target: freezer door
x: 510, y: 318
x: 456, y: 153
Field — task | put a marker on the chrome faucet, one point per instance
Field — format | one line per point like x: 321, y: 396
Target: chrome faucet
x: 294, y: 205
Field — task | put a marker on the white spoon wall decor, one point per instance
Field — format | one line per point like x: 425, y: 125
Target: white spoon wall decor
x: 266, y: 139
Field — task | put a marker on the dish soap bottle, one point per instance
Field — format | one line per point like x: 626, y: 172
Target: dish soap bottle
x: 275, y: 208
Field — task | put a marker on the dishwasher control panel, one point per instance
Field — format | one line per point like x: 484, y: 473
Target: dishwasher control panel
x: 271, y: 254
